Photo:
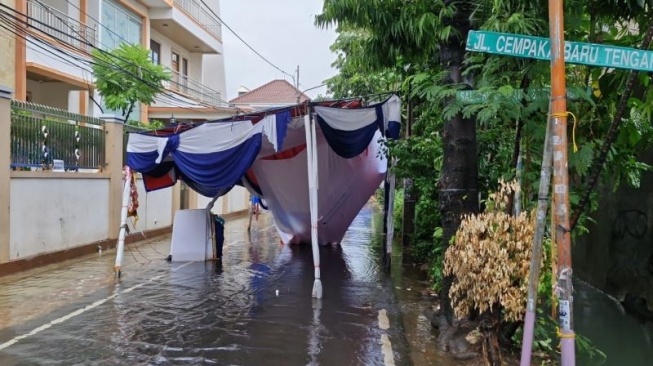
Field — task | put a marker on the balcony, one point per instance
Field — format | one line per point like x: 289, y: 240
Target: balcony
x: 195, y: 90
x: 59, y: 25
x: 190, y: 24
x: 196, y: 10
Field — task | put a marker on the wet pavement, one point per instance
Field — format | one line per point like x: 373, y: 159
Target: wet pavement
x: 253, y: 308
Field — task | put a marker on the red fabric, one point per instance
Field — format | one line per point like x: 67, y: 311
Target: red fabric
x: 164, y: 181
x: 286, y: 154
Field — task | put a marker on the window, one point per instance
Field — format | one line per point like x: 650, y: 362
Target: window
x: 119, y: 25
x: 155, y: 51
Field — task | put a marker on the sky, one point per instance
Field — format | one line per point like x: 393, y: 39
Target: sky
x: 283, y: 31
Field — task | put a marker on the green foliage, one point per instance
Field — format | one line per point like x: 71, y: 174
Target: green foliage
x: 394, y: 42
x: 545, y: 341
x: 126, y: 76
x: 153, y: 124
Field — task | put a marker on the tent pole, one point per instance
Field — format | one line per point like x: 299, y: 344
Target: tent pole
x: 390, y: 213
x: 311, y: 156
x: 120, y: 251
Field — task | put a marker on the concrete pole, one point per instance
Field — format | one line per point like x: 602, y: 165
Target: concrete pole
x: 5, y: 173
x: 560, y: 208
x: 536, y: 256
x: 113, y: 165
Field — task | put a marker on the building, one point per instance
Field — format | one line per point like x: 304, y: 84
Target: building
x: 185, y: 36
x: 45, y: 59
x: 7, y: 54
x: 276, y: 93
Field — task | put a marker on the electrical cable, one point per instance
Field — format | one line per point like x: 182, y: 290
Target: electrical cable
x: 113, y: 66
x: 110, y: 56
x: 245, y: 43
x: 124, y: 40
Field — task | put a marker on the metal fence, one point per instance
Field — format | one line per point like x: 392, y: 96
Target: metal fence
x: 42, y: 134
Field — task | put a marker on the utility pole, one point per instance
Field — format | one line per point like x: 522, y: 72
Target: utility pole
x: 560, y: 208
x: 297, y: 78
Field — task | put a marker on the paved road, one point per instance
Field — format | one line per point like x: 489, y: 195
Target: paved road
x: 209, y: 313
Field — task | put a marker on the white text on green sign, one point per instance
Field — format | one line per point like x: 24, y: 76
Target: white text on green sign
x: 575, y: 52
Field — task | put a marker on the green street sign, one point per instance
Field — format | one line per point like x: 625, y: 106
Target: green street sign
x: 478, y: 96
x: 575, y: 52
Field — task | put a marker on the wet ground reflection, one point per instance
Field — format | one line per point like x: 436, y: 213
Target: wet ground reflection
x: 254, y: 308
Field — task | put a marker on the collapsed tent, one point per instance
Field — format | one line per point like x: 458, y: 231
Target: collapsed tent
x: 315, y: 173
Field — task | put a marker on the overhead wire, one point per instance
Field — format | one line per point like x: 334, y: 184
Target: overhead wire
x: 113, y: 65
x: 245, y: 43
x: 122, y: 39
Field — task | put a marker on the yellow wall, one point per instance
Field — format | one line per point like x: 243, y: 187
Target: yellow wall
x: 7, y: 54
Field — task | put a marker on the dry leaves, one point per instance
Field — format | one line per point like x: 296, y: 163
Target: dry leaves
x: 490, y: 258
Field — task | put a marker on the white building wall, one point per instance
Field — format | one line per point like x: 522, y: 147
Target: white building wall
x: 49, y: 215
x: 54, y: 214
x: 213, y: 74
x: 61, y: 61
x: 237, y: 199
x: 194, y: 59
x: 213, y: 71
x: 53, y: 94
x: 155, y: 209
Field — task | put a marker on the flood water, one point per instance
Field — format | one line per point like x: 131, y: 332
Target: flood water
x: 253, y: 308
x: 625, y: 340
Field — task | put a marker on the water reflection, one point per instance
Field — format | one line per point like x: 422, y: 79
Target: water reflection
x: 228, y: 312
x: 625, y: 340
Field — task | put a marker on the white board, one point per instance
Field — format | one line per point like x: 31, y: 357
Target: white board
x: 190, y: 237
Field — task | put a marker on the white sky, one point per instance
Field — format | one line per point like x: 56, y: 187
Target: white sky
x: 283, y: 31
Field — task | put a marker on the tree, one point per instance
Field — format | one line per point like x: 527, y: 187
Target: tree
x: 126, y: 76
x: 419, y: 32
x: 351, y: 81
x: 423, y: 41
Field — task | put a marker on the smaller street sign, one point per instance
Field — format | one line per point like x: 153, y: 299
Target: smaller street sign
x: 477, y: 96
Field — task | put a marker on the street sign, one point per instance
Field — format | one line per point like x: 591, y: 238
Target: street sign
x: 575, y: 52
x: 478, y: 96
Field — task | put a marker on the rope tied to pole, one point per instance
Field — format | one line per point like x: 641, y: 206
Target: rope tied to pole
x: 573, y: 131
x: 569, y: 335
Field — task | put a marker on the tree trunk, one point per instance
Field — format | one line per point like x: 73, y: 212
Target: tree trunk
x: 490, y: 325
x: 458, y: 186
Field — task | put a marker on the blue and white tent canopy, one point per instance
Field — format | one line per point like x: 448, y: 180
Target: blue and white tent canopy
x: 313, y: 172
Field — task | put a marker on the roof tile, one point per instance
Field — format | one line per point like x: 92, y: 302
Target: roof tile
x: 274, y: 92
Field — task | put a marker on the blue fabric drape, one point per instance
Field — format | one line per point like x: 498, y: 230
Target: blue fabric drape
x: 283, y: 119
x: 143, y: 162
x: 218, y: 170
x: 349, y: 144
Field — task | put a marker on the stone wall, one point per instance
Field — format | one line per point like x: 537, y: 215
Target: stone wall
x: 617, y: 255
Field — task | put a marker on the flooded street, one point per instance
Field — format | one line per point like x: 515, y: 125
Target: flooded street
x: 254, y: 308
x: 625, y: 340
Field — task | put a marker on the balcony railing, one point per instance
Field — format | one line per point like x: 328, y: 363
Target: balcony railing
x: 59, y: 25
x: 196, y: 10
x: 194, y: 89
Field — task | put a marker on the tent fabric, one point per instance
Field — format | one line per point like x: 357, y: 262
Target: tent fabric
x: 345, y: 185
x: 211, y: 157
x: 266, y: 153
x: 350, y: 131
